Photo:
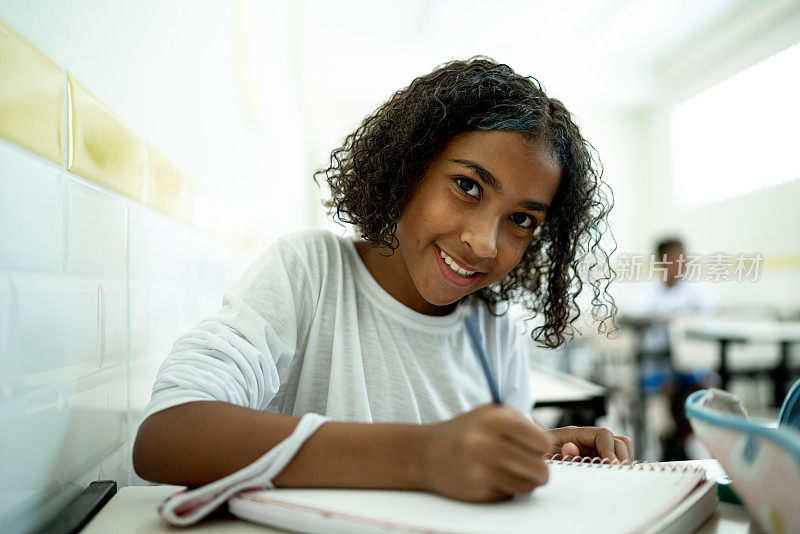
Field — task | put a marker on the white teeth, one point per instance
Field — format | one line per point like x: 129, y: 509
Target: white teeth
x: 453, y: 265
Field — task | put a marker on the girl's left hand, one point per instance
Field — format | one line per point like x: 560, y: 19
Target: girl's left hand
x: 591, y: 441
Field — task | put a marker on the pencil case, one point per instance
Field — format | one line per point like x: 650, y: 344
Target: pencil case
x: 763, y: 462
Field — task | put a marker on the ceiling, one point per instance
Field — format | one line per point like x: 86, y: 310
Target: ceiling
x: 267, y: 87
x: 611, y: 46
x: 348, y: 56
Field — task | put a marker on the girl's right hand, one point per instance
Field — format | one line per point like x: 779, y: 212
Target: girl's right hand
x: 488, y: 454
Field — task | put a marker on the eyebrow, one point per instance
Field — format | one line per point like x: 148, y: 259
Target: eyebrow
x: 489, y: 179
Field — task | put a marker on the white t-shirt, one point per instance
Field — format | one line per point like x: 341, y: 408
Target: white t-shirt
x: 659, y: 300
x: 308, y: 329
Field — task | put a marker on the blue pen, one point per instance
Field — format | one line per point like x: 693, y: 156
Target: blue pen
x: 477, y: 344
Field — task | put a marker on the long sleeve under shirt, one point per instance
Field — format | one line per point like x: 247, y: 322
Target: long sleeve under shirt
x: 308, y: 329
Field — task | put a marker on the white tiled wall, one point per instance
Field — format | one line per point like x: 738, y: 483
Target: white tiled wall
x: 24, y: 178
x: 96, y: 226
x: 94, y: 288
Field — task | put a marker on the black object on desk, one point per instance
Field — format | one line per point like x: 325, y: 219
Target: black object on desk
x: 81, y: 509
x: 583, y: 402
x: 596, y: 403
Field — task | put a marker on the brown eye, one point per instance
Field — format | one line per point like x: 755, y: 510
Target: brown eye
x: 469, y: 187
x: 523, y: 220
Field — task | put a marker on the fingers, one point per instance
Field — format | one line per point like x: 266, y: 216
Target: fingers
x: 623, y: 448
x: 620, y: 450
x: 570, y: 449
x: 594, y: 442
x: 604, y: 443
x: 628, y: 445
x: 525, y: 433
x: 512, y: 426
x: 510, y: 484
x: 519, y: 463
x: 499, y: 466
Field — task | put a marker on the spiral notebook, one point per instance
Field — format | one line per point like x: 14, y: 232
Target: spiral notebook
x: 579, y: 497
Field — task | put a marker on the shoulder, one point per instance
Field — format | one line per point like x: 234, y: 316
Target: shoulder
x: 312, y: 244
x: 297, y: 259
x: 312, y: 249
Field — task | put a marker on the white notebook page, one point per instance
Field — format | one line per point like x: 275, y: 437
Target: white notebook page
x: 599, y: 499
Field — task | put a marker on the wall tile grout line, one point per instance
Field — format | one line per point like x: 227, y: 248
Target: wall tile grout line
x: 68, y: 142
x: 65, y: 224
x: 75, y: 386
x: 101, y: 345
x: 67, y: 133
x: 128, y: 329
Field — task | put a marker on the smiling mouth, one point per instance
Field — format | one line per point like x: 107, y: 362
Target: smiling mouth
x: 455, y: 267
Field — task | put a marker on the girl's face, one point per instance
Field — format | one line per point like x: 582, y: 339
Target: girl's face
x: 470, y: 220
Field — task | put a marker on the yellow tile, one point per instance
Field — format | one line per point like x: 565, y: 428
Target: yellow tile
x: 166, y: 186
x: 103, y: 148
x: 188, y: 194
x: 31, y: 97
x: 781, y: 262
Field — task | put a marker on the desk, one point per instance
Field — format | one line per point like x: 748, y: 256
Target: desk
x: 133, y: 511
x: 552, y: 388
x: 727, y: 331
x: 640, y: 324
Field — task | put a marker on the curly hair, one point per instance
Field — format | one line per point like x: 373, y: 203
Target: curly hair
x: 376, y: 171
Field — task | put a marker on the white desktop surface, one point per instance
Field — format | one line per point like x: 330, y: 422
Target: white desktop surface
x: 133, y: 510
x: 549, y: 385
x: 754, y: 331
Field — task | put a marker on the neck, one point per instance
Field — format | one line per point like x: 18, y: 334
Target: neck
x: 387, y: 268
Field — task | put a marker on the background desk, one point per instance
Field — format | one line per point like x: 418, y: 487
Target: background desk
x: 726, y: 331
x: 551, y: 388
x: 133, y: 511
x: 639, y: 325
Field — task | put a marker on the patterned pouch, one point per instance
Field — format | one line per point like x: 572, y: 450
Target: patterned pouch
x: 762, y: 462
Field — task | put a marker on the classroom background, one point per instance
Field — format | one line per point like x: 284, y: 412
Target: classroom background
x: 150, y: 150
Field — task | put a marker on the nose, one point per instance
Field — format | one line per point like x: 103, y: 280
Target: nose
x: 481, y: 237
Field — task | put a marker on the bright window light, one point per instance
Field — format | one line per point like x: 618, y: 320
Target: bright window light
x: 740, y: 135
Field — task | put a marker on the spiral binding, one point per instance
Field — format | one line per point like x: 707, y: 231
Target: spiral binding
x: 625, y: 464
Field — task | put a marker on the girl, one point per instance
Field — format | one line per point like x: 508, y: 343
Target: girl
x: 469, y: 188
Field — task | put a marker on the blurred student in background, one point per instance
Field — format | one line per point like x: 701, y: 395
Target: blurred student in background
x: 671, y: 297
